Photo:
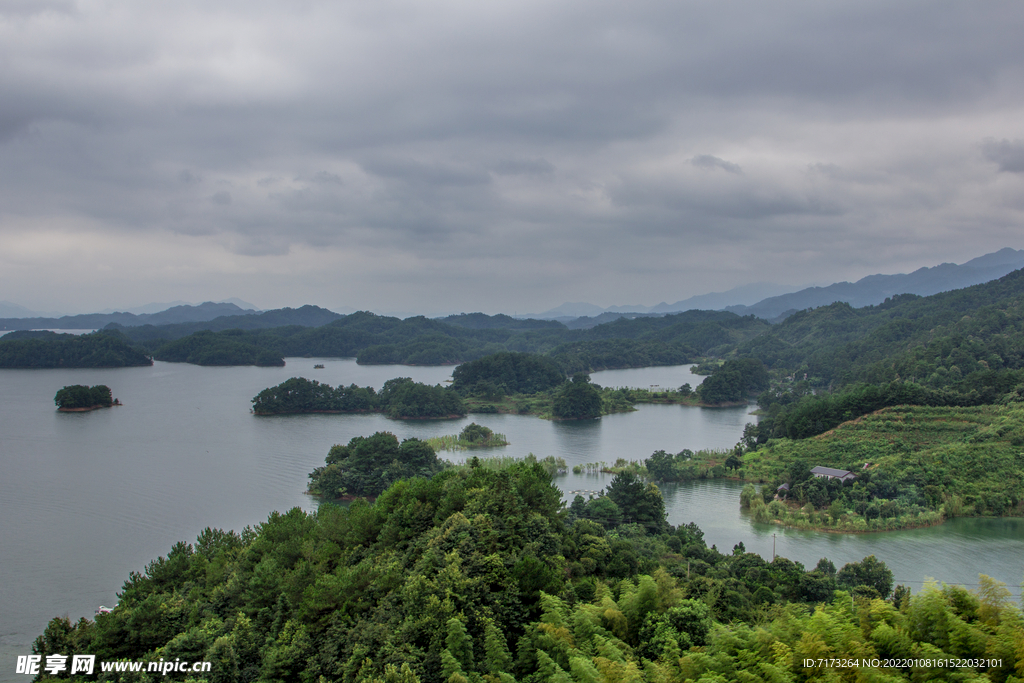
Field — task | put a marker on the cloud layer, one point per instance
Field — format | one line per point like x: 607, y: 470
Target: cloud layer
x: 497, y: 156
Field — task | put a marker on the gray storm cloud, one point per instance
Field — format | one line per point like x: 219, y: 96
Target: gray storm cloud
x: 1008, y: 154
x: 497, y: 156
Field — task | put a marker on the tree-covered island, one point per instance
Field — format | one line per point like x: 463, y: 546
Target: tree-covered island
x: 400, y: 398
x: 78, y: 398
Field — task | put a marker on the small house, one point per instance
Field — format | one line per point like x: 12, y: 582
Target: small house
x: 832, y: 473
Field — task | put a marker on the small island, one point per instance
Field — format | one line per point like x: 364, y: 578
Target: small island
x: 80, y: 398
x: 399, y: 399
x: 472, y: 436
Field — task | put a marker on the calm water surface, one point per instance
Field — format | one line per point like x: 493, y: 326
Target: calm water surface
x: 85, y: 498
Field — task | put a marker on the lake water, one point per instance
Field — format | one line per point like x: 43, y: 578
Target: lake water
x: 86, y: 498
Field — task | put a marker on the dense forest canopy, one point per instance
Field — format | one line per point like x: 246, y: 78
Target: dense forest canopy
x: 577, y: 399
x: 937, y: 340
x: 735, y: 380
x: 369, y: 465
x: 300, y: 395
x: 51, y: 350
x: 399, y: 398
x: 508, y: 373
x: 403, y: 398
x: 79, y: 396
x: 209, y: 348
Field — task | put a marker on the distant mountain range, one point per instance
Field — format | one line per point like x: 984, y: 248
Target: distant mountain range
x: 12, y: 310
x: 764, y: 300
x: 874, y: 289
x: 772, y: 302
x: 715, y: 301
x: 161, y: 307
x: 176, y: 314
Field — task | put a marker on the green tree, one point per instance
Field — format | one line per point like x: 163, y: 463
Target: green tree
x: 639, y: 503
x: 369, y: 465
x: 869, y: 572
x: 577, y: 399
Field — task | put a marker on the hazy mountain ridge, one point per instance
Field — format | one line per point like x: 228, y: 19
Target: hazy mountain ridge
x: 715, y: 301
x: 304, y: 316
x: 870, y: 290
x: 9, y: 309
x: 177, y: 314
x: 874, y: 289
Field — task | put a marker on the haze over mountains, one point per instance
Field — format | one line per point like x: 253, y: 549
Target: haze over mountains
x: 763, y: 300
x: 874, y: 289
x: 759, y: 299
x: 176, y: 314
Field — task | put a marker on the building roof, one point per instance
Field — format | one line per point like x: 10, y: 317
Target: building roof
x: 820, y: 471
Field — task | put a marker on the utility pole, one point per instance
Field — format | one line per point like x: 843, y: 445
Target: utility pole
x: 773, y: 547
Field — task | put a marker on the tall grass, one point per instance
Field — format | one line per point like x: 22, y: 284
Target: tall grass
x: 452, y: 442
x: 552, y: 465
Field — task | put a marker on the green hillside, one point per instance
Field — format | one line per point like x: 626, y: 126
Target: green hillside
x: 924, y: 464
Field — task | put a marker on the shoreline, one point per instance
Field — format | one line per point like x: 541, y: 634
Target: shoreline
x: 846, y: 532
x: 85, y: 410
x: 357, y: 412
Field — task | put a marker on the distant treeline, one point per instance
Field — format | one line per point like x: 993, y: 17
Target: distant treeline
x: 377, y: 339
x: 224, y: 348
x: 50, y: 350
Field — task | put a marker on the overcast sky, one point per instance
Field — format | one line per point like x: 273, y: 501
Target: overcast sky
x: 497, y: 156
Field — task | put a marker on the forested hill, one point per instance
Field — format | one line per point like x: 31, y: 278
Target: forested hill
x: 978, y: 328
x: 51, y: 350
